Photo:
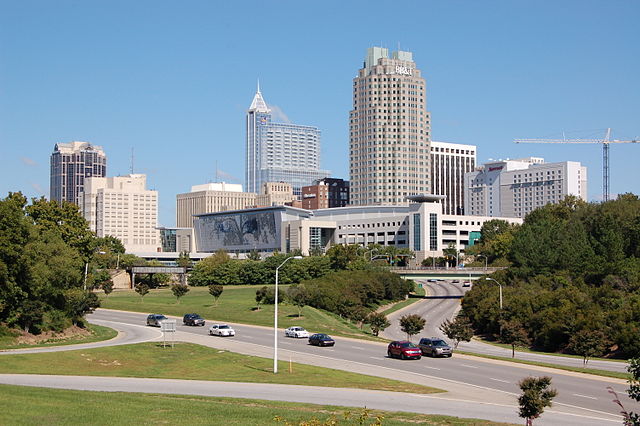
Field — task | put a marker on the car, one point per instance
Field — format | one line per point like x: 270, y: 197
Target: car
x: 193, y: 319
x: 466, y: 284
x: 435, y: 346
x: 403, y: 349
x: 321, y: 339
x: 296, y: 332
x: 221, y: 330
x: 155, y: 319
x: 456, y: 281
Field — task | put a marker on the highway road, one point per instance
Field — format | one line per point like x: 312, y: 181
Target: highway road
x: 464, y: 376
x: 443, y: 301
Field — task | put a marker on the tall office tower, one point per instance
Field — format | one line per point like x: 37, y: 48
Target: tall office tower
x: 122, y: 207
x: 513, y: 188
x: 449, y: 163
x: 211, y: 198
x: 326, y: 193
x: 71, y: 163
x: 279, y: 152
x: 389, y: 130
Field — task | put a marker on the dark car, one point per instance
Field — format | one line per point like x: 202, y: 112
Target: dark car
x: 193, y: 319
x: 154, y: 319
x: 403, y: 349
x: 435, y: 346
x: 321, y: 340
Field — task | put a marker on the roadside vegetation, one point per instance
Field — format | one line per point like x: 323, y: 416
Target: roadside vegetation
x: 573, y: 281
x: 190, y: 361
x: 27, y: 406
x: 14, y: 339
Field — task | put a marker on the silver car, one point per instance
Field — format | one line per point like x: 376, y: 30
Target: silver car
x: 221, y: 330
x: 435, y: 346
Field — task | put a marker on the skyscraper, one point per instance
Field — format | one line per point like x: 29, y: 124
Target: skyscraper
x: 449, y: 163
x: 71, y: 163
x: 389, y: 130
x: 279, y: 152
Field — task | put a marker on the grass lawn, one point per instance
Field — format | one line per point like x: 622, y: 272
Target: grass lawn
x: 237, y: 304
x: 189, y: 361
x: 586, y: 370
x: 98, y: 333
x: 29, y: 406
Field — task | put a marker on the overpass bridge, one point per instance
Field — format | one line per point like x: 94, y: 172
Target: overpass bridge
x: 444, y: 273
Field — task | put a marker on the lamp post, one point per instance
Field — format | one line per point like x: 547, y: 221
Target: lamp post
x: 371, y: 253
x: 379, y: 255
x: 486, y: 260
x: 275, y: 317
x: 499, y: 285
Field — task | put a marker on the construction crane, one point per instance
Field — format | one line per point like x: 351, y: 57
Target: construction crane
x: 605, y: 153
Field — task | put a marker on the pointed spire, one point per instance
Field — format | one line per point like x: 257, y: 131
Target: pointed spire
x: 258, y: 104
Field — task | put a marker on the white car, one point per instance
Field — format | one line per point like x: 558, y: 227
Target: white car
x: 221, y: 330
x: 296, y: 332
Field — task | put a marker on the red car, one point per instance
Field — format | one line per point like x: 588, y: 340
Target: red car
x: 403, y: 349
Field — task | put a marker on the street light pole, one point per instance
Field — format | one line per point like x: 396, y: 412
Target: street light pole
x: 499, y: 285
x: 275, y: 317
x: 486, y: 260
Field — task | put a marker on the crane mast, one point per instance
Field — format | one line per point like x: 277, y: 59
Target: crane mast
x: 605, y: 153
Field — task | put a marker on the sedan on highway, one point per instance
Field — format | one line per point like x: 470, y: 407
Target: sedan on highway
x: 193, y: 319
x: 221, y: 330
x: 154, y: 319
x: 403, y: 349
x: 321, y: 339
x: 296, y: 332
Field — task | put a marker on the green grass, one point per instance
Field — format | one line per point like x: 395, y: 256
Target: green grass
x: 29, y: 406
x: 397, y: 306
x: 506, y: 346
x: 190, y: 361
x: 585, y: 370
x: 98, y: 334
x: 237, y: 304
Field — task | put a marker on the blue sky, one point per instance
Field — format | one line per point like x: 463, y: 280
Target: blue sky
x: 172, y: 80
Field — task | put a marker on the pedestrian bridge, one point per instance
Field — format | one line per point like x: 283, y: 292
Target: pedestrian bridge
x: 444, y: 273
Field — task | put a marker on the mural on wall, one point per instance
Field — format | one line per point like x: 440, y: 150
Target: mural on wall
x: 238, y: 231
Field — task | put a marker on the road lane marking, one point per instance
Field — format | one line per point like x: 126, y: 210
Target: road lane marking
x: 468, y: 366
x: 584, y: 396
x: 499, y: 380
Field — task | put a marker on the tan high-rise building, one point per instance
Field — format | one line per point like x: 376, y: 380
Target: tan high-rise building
x: 389, y: 130
x: 449, y: 163
x: 211, y: 198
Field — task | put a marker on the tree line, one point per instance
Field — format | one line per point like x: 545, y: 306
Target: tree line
x: 572, y: 282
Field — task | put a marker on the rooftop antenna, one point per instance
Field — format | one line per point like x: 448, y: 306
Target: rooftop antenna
x: 218, y: 179
x: 131, y: 169
x: 258, y: 85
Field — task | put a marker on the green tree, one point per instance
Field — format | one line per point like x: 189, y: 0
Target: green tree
x: 412, y: 324
x: 513, y: 333
x: 79, y: 303
x: 261, y: 294
x: 341, y: 255
x: 216, y: 291
x: 378, y: 322
x: 254, y: 255
x: 298, y: 296
x: 184, y: 260
x: 588, y: 343
x: 179, y: 290
x: 450, y: 253
x: 535, y: 396
x: 458, y: 330
x: 142, y: 289
x: 107, y: 287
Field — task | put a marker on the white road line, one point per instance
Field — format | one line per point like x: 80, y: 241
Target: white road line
x: 355, y: 347
x: 498, y: 380
x: 374, y: 357
x: 584, y: 396
x: 468, y: 366
x: 431, y: 368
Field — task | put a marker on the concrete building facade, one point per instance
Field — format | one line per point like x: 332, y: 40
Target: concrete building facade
x: 122, y: 207
x: 326, y: 193
x: 389, y: 130
x: 514, y: 188
x: 279, y: 152
x: 449, y: 163
x: 209, y: 198
x: 71, y: 164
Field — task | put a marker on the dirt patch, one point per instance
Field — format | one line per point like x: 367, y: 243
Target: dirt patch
x: 50, y: 336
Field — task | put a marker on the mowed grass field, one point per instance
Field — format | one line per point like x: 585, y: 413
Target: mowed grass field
x: 40, y: 406
x: 190, y: 361
x: 236, y: 305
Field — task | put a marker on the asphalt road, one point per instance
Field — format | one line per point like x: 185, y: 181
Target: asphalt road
x: 466, y: 377
x: 443, y: 301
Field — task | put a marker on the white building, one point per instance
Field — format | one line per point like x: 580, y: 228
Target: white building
x: 449, y: 163
x: 514, y: 188
x: 209, y: 198
x: 122, y: 207
x: 389, y: 130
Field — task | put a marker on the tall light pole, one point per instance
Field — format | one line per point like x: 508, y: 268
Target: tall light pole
x: 499, y: 285
x: 371, y: 253
x: 486, y: 260
x: 380, y: 255
x: 275, y: 318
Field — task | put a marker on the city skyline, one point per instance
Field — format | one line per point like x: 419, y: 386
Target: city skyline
x: 172, y: 82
